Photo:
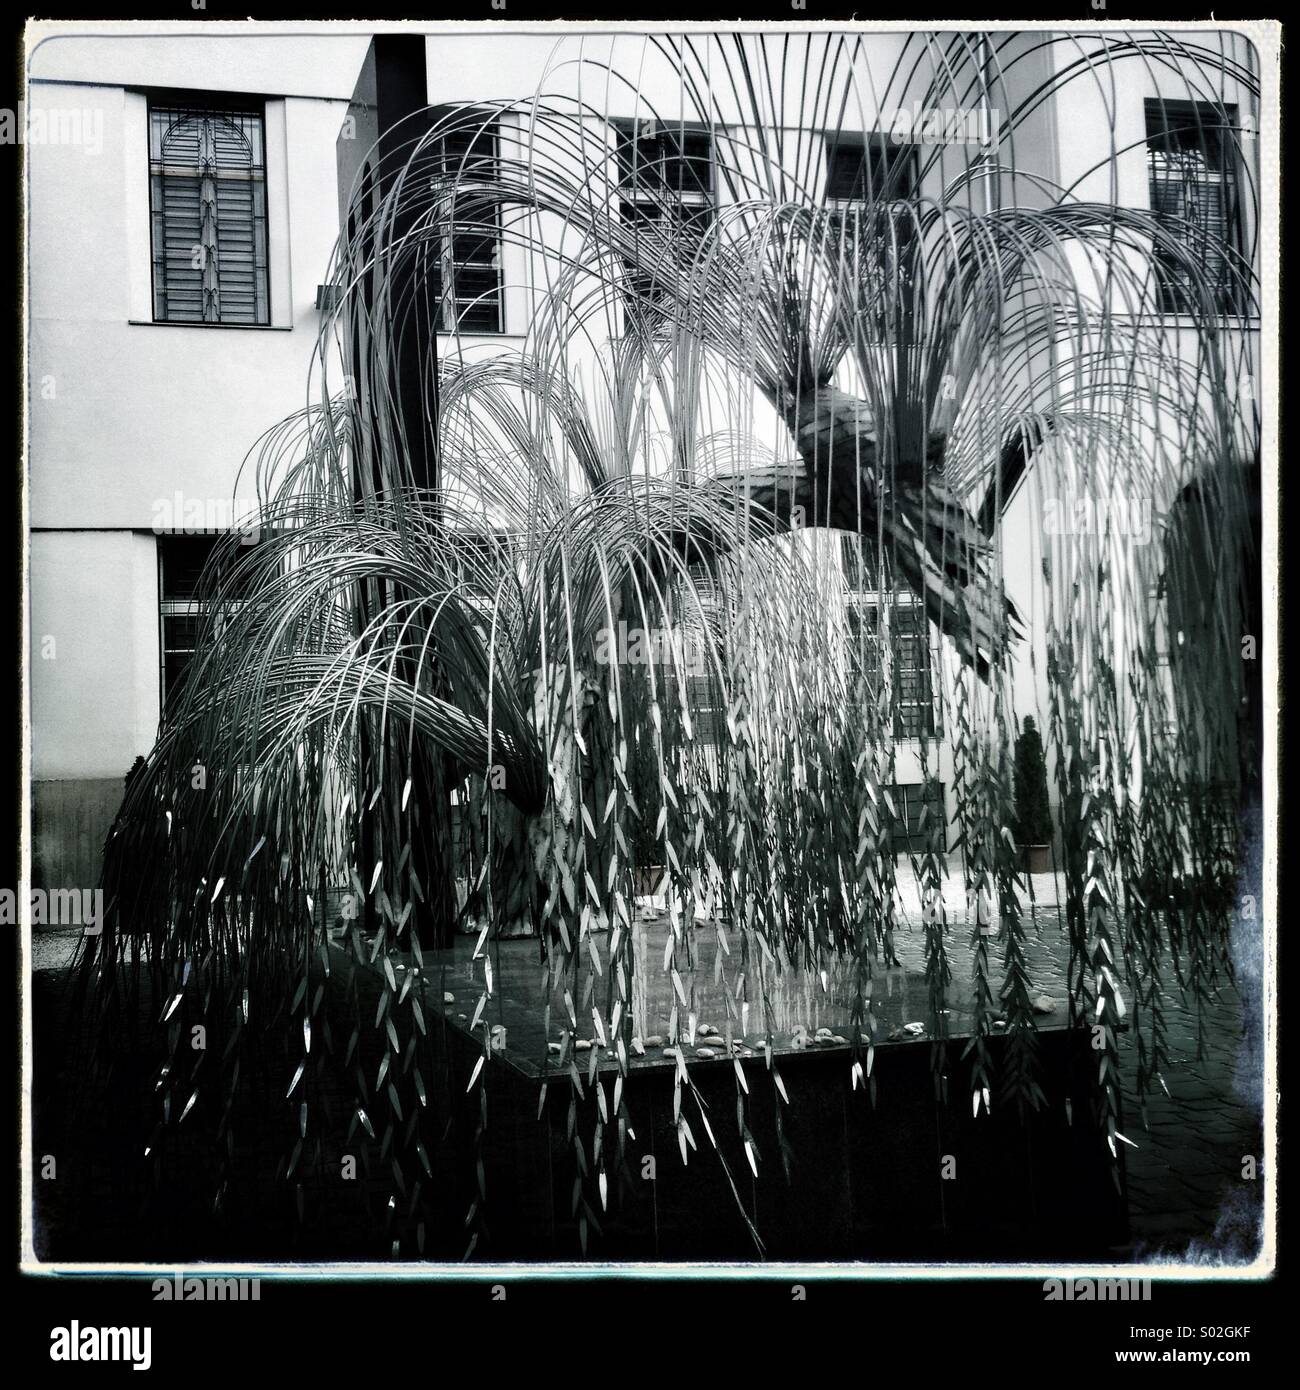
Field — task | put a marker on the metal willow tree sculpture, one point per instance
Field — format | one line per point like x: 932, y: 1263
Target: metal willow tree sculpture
x: 704, y: 383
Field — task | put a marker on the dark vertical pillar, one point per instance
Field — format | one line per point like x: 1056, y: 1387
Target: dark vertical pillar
x: 387, y: 115
x: 395, y: 385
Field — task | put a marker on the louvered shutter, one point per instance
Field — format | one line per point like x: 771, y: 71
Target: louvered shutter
x: 1192, y: 177
x: 467, y: 282
x: 208, y: 190
x: 869, y: 179
x: 667, y: 185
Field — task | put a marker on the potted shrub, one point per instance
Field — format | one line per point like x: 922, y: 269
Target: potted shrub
x: 1033, y: 813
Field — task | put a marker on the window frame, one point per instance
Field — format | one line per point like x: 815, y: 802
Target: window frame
x: 449, y: 325
x: 1177, y: 114
x: 915, y: 719
x: 905, y: 156
x: 214, y: 102
x: 187, y: 607
x: 663, y: 199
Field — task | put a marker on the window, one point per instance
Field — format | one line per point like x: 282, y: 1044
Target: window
x: 1194, y: 183
x: 666, y: 190
x: 869, y: 180
x: 903, y: 622
x: 181, y: 560
x: 207, y: 200
x: 920, y: 813
x: 467, y: 279
x: 863, y: 169
x: 701, y: 623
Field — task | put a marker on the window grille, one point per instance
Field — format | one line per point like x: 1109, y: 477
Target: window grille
x: 869, y: 182
x: 920, y: 812
x: 207, y: 187
x: 1194, y: 182
x: 902, y: 623
x: 467, y: 279
x: 666, y: 186
x: 183, y: 611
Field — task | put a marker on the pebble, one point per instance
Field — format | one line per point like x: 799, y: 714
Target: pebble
x: 448, y: 998
x: 1044, y: 1004
x: 655, y: 1040
x: 839, y: 1041
x: 672, y: 1052
x: 707, y: 1030
x: 705, y: 1052
x: 583, y: 1045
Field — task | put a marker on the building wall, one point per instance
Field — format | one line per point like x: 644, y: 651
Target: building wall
x: 126, y: 414
x: 162, y: 406
x: 1090, y: 117
x: 576, y: 74
x: 94, y: 688
x: 127, y: 417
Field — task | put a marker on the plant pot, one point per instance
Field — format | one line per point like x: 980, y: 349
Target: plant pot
x: 1038, y: 859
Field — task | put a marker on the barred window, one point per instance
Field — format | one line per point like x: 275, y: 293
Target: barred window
x: 207, y: 191
x: 869, y: 179
x: 920, y: 814
x: 1194, y: 179
x: 868, y: 168
x: 183, y: 612
x: 467, y: 280
x: 902, y: 622
x: 666, y: 185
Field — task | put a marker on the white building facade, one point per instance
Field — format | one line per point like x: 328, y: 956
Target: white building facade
x: 141, y: 411
x: 155, y: 364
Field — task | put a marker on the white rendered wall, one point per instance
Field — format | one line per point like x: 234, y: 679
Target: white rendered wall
x: 125, y: 414
x: 123, y: 411
x: 94, y: 652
